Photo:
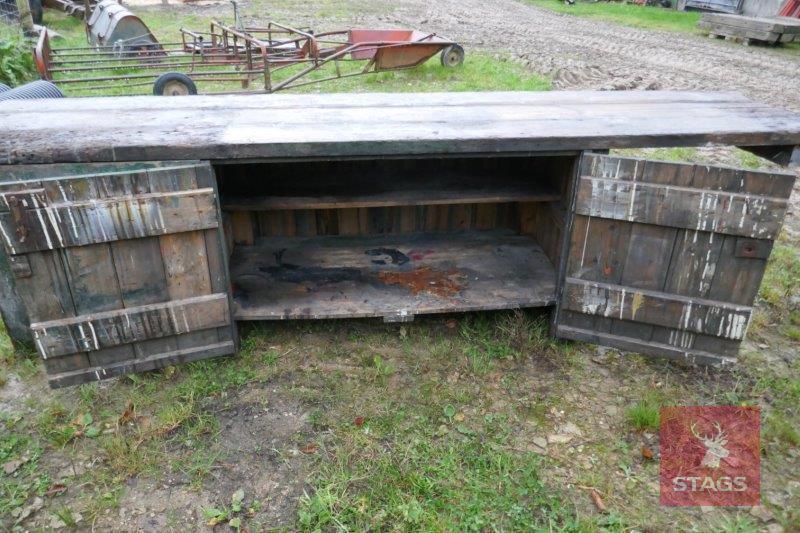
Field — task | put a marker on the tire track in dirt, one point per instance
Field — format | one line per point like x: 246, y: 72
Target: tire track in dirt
x: 583, y: 53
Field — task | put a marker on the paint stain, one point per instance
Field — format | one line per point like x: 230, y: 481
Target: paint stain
x: 442, y: 283
x: 395, y: 256
x: 419, y: 255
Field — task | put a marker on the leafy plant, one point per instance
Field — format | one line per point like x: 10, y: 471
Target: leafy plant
x: 16, y: 59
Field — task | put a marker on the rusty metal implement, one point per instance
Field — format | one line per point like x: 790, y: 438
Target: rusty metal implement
x: 226, y: 59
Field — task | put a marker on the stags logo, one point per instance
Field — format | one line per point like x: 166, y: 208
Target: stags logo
x: 715, y: 446
x: 710, y: 456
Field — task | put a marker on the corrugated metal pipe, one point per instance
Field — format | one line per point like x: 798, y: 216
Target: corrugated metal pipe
x: 29, y: 91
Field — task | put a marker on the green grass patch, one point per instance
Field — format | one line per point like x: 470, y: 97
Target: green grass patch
x: 781, y: 279
x: 466, y: 480
x: 655, y: 18
x: 644, y: 414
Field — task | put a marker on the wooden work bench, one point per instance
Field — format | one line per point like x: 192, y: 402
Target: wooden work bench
x: 137, y: 230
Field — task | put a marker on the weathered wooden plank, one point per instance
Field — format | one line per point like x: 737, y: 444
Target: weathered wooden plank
x: 106, y: 329
x: 681, y: 207
x: 643, y: 347
x: 597, y: 249
x: 93, y: 283
x: 531, y: 192
x: 12, y: 308
x: 696, y: 315
x: 153, y: 362
x: 217, y: 255
x: 280, y: 126
x: 142, y: 281
x: 88, y: 222
x: 187, y: 275
x: 646, y: 267
x: 706, y: 177
x: 242, y: 226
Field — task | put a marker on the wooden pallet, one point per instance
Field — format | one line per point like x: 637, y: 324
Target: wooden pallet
x: 749, y: 29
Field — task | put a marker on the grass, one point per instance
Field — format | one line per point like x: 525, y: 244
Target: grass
x: 655, y: 18
x: 644, y: 414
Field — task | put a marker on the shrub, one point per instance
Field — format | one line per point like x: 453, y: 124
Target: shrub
x: 16, y: 57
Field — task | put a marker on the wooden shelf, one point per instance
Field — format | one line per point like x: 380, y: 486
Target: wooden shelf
x: 394, y: 276
x: 391, y: 184
x: 390, y: 199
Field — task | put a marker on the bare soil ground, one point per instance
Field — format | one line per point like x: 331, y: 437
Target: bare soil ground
x: 577, y: 53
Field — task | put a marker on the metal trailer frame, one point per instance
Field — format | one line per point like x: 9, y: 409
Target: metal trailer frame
x: 228, y: 54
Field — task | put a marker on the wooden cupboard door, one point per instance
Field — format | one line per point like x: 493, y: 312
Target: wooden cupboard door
x: 119, y: 271
x: 666, y: 259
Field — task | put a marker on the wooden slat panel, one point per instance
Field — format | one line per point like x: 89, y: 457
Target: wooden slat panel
x: 640, y: 346
x: 100, y: 330
x: 749, y: 216
x: 687, y: 279
x: 93, y: 282
x: 78, y: 224
x: 187, y: 274
x: 140, y: 271
x: 650, y: 307
x: 47, y: 296
x: 152, y: 362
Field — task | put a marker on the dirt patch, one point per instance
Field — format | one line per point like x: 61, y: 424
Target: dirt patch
x: 578, y: 53
x: 256, y: 451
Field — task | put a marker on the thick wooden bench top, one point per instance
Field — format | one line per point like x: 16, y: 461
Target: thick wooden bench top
x: 330, y: 125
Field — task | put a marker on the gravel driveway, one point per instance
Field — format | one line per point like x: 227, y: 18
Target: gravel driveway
x: 583, y: 53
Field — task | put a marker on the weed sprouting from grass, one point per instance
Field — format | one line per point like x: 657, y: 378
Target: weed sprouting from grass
x: 644, y: 414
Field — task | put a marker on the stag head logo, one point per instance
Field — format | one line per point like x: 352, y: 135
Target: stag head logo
x: 715, y: 446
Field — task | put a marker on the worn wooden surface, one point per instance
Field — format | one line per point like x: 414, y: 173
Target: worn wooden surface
x: 394, y: 276
x: 295, y: 126
x: 136, y: 295
x: 655, y: 263
x: 770, y: 30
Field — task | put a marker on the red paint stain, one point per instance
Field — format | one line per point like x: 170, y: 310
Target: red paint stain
x: 440, y: 283
x: 419, y: 255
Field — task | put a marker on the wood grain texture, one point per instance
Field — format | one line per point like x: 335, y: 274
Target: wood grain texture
x: 100, y: 330
x: 667, y: 278
x: 117, y: 294
x: 328, y: 125
x: 698, y: 197
x: 389, y: 276
x: 95, y: 221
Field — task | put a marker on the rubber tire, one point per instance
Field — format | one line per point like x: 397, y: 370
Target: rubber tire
x: 456, y: 49
x: 162, y: 81
x: 37, y: 12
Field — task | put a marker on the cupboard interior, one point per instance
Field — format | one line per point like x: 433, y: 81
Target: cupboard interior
x: 393, y: 238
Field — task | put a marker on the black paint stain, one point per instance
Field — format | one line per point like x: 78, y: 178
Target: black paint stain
x: 291, y: 273
x: 398, y: 257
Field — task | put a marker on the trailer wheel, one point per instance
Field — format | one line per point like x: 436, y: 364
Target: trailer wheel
x: 452, y: 56
x: 174, y: 84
